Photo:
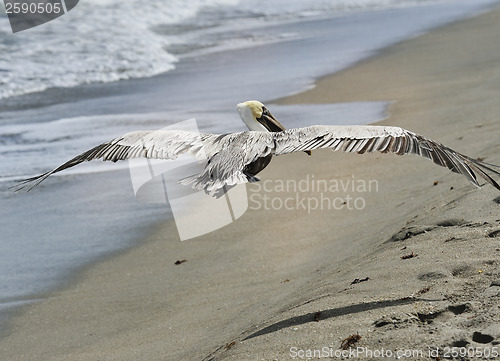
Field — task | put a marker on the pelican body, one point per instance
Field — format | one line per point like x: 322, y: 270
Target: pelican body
x: 257, y: 118
x: 236, y: 158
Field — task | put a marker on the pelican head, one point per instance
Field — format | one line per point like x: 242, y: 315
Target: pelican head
x: 256, y: 117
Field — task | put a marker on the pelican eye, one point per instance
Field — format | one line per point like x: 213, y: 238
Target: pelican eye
x: 265, y: 112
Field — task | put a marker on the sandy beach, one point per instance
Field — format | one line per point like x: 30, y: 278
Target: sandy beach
x: 412, y: 268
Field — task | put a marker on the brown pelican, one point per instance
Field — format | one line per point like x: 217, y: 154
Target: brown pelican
x: 236, y: 158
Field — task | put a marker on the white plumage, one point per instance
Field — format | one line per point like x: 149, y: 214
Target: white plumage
x: 237, y: 157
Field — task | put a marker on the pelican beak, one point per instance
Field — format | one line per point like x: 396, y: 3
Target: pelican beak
x: 271, y: 123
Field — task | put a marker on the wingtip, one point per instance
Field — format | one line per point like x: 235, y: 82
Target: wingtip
x: 22, y: 184
x: 483, y: 168
x: 29, y: 183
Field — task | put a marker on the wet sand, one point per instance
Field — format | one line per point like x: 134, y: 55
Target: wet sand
x: 279, y: 281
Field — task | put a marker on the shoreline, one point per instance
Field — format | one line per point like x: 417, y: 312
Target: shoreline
x: 198, y: 308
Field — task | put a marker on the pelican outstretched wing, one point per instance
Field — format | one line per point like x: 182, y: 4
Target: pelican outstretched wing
x: 365, y: 139
x: 156, y: 144
x: 228, y: 155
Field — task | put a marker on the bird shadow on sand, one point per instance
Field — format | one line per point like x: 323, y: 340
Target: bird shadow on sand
x: 331, y: 313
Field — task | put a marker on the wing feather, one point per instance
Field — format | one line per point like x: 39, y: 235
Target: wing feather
x: 368, y: 139
x: 160, y: 144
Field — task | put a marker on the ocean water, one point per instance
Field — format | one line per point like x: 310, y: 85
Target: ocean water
x: 109, y: 67
x: 105, y: 41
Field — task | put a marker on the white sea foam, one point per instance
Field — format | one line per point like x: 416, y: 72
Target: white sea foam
x: 105, y: 41
x: 95, y: 42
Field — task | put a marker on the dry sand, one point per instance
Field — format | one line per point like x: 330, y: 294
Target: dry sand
x: 281, y: 279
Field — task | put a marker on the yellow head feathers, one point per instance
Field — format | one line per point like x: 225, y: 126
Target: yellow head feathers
x: 256, y: 107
